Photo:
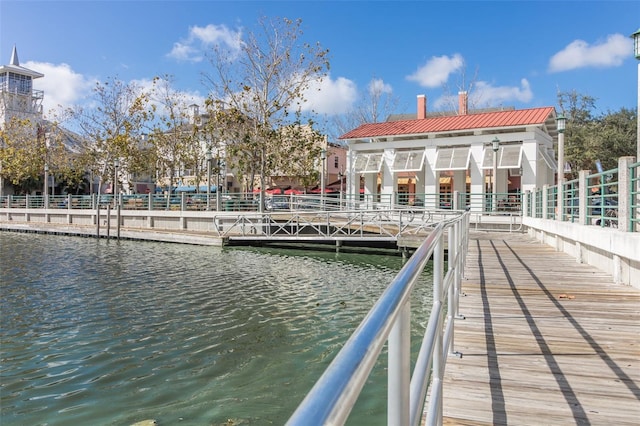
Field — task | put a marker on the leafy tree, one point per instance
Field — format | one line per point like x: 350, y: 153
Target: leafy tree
x: 112, y: 126
x: 22, y: 154
x: 25, y: 149
x: 590, y: 138
x: 258, y: 87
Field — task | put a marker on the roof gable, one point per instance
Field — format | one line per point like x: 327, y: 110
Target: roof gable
x: 523, y: 117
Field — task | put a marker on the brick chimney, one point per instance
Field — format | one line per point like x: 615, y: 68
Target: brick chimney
x: 422, y: 107
x: 463, y: 103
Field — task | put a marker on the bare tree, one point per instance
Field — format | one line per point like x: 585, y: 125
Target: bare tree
x: 463, y: 84
x: 259, y: 88
x: 175, y: 139
x: 377, y: 104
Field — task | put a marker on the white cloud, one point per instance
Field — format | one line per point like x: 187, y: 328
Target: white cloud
x: 201, y: 38
x: 437, y: 70
x: 377, y: 85
x: 331, y: 97
x: 186, y: 98
x: 62, y: 86
x: 579, y: 54
x: 484, y: 95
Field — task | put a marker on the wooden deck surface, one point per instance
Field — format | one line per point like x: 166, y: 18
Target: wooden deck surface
x: 545, y: 340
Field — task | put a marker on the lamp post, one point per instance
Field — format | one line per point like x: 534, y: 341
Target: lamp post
x: 46, y: 185
x: 218, y: 182
x: 636, y: 52
x: 323, y: 156
x: 46, y: 169
x: 340, y: 176
x: 116, y: 164
x: 562, y: 122
x: 495, y: 144
x: 208, y: 180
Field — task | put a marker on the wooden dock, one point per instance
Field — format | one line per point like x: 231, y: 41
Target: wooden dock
x: 545, y: 340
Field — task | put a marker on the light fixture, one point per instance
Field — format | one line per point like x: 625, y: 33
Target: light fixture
x: 636, y: 43
x: 562, y: 123
x: 496, y: 144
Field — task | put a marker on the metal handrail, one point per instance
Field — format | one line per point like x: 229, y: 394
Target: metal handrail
x: 339, y: 225
x: 332, y: 397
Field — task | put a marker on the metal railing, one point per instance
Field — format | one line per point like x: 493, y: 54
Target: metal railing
x: 602, y: 199
x: 478, y: 202
x: 634, y: 196
x: 607, y: 199
x: 332, y: 397
x: 382, y: 225
x: 571, y: 200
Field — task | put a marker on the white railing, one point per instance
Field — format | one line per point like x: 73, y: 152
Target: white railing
x: 332, y: 397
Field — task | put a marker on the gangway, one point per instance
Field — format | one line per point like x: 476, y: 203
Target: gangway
x: 386, y: 225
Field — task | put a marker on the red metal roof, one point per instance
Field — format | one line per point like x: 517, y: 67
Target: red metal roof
x: 522, y: 117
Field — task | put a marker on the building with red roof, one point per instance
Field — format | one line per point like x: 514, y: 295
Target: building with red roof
x: 442, y: 153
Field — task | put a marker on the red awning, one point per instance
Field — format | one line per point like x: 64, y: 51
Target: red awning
x: 273, y: 191
x: 326, y: 191
x: 292, y: 191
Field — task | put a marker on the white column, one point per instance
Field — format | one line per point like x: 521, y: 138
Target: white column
x: 389, y: 184
x: 531, y: 168
x: 476, y: 172
x: 431, y: 179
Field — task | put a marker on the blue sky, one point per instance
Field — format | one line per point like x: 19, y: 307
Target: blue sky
x: 517, y: 53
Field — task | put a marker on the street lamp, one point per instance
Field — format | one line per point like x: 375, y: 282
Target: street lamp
x: 116, y: 164
x: 46, y: 170
x: 636, y: 51
x: 340, y: 176
x: 562, y: 122
x: 208, y: 180
x: 218, y: 169
x: 495, y: 144
x: 46, y: 185
x: 323, y: 156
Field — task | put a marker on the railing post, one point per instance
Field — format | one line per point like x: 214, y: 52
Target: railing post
x: 624, y: 194
x: 560, y: 201
x: 452, y: 310
x: 438, y: 361
x: 399, y: 375
x: 583, y: 201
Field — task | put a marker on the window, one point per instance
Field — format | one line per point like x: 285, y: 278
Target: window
x: 408, y: 161
x: 548, y: 157
x: 336, y: 162
x: 453, y: 158
x: 368, y: 163
x: 509, y: 157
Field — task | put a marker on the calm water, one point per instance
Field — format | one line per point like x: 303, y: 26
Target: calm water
x: 109, y: 333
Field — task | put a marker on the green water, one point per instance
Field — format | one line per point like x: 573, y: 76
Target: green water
x: 109, y: 333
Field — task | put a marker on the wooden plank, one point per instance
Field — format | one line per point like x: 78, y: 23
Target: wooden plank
x: 545, y: 340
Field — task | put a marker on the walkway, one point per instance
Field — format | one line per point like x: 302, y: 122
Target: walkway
x: 546, y: 341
